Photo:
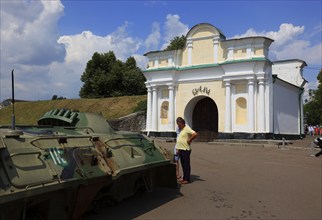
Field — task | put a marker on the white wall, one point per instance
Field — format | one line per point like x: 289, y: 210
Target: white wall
x: 290, y: 71
x: 286, y: 105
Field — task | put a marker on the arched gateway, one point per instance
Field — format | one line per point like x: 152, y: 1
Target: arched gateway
x: 205, y: 119
x: 225, y: 88
x: 201, y: 114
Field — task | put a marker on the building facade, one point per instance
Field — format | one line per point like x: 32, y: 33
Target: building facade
x: 224, y: 88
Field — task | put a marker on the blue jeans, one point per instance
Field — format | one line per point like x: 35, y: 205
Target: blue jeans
x: 185, y: 163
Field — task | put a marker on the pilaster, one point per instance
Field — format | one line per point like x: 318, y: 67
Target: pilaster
x: 228, y: 107
x: 261, y: 100
x: 171, y: 107
x: 216, y: 42
x: 154, y: 119
x: 250, y: 105
x: 149, y: 109
x: 189, y: 45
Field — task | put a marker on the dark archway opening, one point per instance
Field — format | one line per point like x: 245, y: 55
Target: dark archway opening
x: 205, y: 119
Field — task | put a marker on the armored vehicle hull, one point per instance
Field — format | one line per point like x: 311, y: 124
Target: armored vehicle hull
x: 72, y: 162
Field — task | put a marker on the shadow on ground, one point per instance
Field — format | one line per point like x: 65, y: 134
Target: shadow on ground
x: 136, y: 205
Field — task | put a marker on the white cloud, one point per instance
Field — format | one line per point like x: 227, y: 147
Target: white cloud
x: 29, y: 38
x: 79, y: 50
x: 173, y: 27
x: 286, y: 33
x: 46, y: 63
x: 153, y: 40
x: 80, y: 47
x: 28, y: 45
x: 287, y: 44
x: 291, y: 42
x: 301, y: 49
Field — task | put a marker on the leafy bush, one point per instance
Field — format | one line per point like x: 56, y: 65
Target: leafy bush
x: 141, y: 106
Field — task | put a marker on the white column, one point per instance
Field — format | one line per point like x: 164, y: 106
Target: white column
x: 154, y: 120
x: 251, y: 105
x: 189, y: 44
x: 228, y: 107
x: 171, y: 107
x: 261, y: 116
x: 215, y: 40
x: 149, y: 110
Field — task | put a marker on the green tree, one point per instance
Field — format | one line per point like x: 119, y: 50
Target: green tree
x: 133, y: 78
x: 177, y: 43
x: 106, y: 76
x: 313, y: 109
x: 55, y: 97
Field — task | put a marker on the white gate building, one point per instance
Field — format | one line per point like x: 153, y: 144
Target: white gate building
x: 224, y: 88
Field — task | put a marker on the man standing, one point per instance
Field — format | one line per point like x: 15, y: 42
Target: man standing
x: 184, y: 139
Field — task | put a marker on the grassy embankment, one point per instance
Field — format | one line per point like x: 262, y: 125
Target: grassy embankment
x: 110, y: 108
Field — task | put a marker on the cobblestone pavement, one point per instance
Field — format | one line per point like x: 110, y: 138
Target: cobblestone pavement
x: 236, y: 182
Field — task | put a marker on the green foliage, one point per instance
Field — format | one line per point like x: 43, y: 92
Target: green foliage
x: 141, y: 106
x: 133, y: 79
x: 106, y: 76
x: 177, y: 43
x: 55, y: 97
x: 313, y: 109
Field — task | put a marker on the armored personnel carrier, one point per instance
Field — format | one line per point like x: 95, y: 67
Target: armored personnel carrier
x: 72, y: 162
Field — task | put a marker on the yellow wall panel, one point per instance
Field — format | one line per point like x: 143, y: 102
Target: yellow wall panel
x: 240, y: 88
x: 241, y: 111
x: 184, y: 58
x: 151, y: 64
x: 259, y: 52
x: 240, y: 54
x: 203, y: 52
x: 202, y: 32
x: 163, y: 63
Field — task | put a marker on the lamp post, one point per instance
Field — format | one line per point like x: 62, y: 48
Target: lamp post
x: 13, y: 125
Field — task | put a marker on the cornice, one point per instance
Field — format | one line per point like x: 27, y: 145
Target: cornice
x: 206, y: 65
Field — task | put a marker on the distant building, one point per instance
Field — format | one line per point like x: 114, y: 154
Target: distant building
x: 224, y: 88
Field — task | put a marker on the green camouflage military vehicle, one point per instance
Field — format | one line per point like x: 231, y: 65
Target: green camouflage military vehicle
x: 74, y: 161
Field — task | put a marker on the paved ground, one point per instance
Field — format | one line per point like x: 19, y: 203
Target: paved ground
x: 236, y: 182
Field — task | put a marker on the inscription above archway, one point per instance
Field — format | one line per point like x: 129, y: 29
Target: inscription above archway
x: 200, y: 89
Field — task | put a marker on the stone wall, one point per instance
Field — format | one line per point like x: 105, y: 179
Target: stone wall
x: 135, y: 122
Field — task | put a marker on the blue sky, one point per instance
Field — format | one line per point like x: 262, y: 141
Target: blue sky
x: 48, y: 43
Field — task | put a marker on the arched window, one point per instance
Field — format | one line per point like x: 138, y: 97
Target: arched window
x: 164, y: 112
x: 241, y: 111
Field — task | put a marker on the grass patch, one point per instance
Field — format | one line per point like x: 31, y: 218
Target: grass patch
x: 110, y: 108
